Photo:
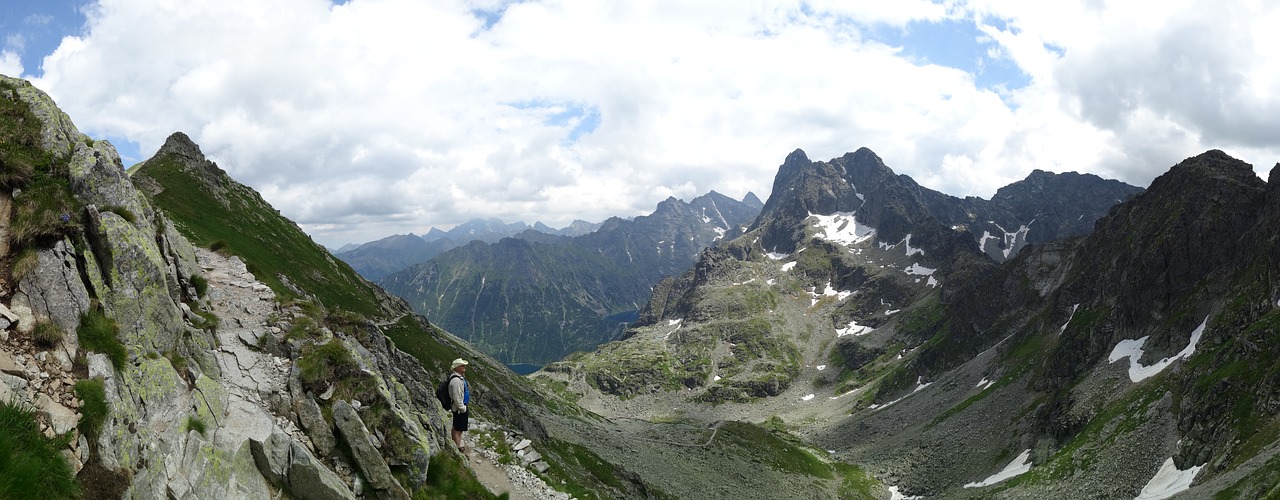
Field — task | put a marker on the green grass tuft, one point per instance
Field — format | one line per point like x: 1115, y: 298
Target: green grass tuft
x: 30, y: 464
x: 201, y: 285
x: 43, y: 212
x: 46, y: 334
x: 448, y: 479
x: 20, y: 153
x: 94, y: 410
x: 195, y: 423
x: 97, y: 333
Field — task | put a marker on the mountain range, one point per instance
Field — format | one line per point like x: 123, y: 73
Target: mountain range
x: 535, y: 297
x: 870, y: 317
x: 165, y: 332
x: 379, y: 258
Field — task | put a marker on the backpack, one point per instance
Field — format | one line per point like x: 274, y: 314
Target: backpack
x: 442, y: 392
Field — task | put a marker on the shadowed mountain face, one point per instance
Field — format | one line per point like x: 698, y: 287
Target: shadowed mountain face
x: 537, y: 297
x: 1041, y: 208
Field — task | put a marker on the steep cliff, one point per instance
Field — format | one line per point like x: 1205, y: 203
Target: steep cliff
x: 170, y: 370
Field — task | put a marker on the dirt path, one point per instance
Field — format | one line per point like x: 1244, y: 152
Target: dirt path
x: 493, y: 478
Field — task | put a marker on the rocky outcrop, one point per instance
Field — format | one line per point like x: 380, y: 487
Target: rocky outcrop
x: 287, y: 463
x: 366, y: 454
x: 199, y: 392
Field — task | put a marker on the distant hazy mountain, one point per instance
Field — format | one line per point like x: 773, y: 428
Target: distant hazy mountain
x: 537, y: 297
x: 376, y: 259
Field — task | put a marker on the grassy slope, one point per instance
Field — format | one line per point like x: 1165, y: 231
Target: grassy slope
x: 271, y: 245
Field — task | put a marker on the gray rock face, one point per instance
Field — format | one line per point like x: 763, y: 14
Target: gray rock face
x: 287, y: 463
x: 272, y: 457
x: 367, y: 457
x: 98, y: 178
x: 53, y: 289
x: 137, y: 272
x: 181, y: 258
x: 59, y: 133
x: 308, y: 479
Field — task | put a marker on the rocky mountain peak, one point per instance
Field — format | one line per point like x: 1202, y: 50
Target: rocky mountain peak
x: 1213, y: 166
x: 797, y: 157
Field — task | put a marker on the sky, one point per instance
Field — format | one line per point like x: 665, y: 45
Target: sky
x: 366, y: 118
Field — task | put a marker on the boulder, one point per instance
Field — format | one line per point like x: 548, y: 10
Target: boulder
x: 272, y: 456
x: 26, y: 319
x: 309, y: 479
x: 314, y: 424
x: 366, y: 456
x: 61, y: 418
x: 7, y: 315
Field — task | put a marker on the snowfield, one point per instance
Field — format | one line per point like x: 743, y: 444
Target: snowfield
x: 1132, y: 349
x: 843, y: 228
x: 1018, y: 466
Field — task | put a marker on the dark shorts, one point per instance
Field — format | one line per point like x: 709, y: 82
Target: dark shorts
x: 460, y: 421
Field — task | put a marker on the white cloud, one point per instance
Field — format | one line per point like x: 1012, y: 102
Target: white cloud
x: 375, y: 117
x: 10, y: 63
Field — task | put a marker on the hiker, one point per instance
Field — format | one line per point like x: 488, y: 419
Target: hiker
x: 460, y: 394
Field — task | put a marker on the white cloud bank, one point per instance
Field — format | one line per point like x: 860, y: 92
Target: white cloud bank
x: 373, y: 117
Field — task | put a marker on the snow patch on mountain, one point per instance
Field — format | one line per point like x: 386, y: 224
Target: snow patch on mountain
x: 1017, y: 467
x: 920, y: 385
x: 842, y: 227
x: 1132, y: 349
x: 840, y: 295
x: 854, y: 329
x: 894, y: 494
x: 1168, y: 481
x: 1073, y: 315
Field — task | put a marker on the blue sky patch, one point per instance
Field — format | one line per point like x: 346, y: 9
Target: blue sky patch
x: 34, y: 29
x: 582, y: 118
x: 955, y: 44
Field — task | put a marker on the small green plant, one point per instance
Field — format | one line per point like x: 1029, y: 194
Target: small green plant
x: 200, y: 284
x: 496, y: 441
x: 449, y: 478
x: 302, y: 328
x: 94, y: 409
x: 323, y: 364
x: 195, y: 423
x: 43, y: 212
x: 31, y: 465
x: 46, y: 334
x: 97, y: 333
x: 178, y: 361
x: 211, y: 320
x: 219, y: 246
x: 24, y: 262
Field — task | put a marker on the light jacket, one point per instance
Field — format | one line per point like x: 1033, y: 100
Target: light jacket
x: 459, y: 392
